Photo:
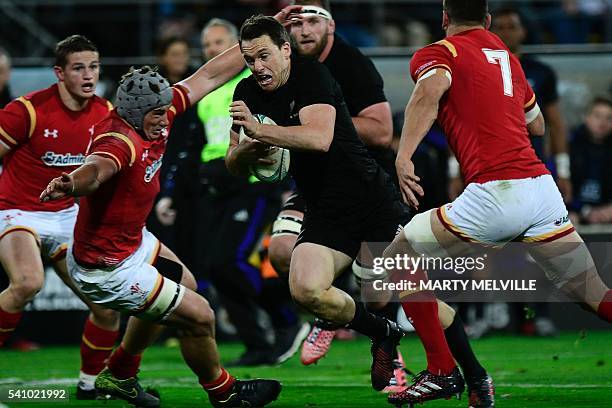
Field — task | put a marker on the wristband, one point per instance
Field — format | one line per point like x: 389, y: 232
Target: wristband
x: 453, y: 167
x: 562, y: 162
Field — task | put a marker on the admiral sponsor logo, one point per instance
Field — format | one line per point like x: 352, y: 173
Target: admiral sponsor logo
x: 152, y: 169
x: 58, y: 159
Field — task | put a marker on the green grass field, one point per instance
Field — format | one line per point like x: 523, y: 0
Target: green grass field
x: 573, y: 370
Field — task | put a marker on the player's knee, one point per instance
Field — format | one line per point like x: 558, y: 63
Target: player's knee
x: 280, y: 250
x: 203, y: 322
x: 24, y: 290
x: 105, y: 317
x: 308, y: 296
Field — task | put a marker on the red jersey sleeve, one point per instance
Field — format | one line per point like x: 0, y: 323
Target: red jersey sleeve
x: 180, y: 100
x: 438, y: 55
x: 115, y: 146
x: 17, y: 122
x: 530, y: 97
x: 530, y: 105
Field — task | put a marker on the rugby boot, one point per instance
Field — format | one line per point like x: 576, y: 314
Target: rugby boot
x: 251, y: 393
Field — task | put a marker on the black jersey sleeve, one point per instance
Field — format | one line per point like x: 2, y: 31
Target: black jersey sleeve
x: 548, y: 91
x: 362, y: 84
x: 314, y: 85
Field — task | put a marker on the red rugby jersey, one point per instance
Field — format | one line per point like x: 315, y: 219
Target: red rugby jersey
x: 483, y: 112
x: 110, y: 221
x: 45, y: 138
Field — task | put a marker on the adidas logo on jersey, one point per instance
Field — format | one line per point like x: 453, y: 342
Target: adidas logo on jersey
x: 57, y: 159
x: 152, y: 169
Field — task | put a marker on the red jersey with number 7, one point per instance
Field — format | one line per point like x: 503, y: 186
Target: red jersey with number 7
x: 484, y: 111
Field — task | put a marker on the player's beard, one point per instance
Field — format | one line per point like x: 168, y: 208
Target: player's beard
x: 316, y: 52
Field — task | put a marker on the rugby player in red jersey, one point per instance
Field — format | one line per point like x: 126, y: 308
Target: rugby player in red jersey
x: 43, y: 134
x: 477, y: 91
x: 117, y: 263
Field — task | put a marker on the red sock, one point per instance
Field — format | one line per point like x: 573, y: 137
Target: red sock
x: 124, y: 365
x: 605, y: 307
x: 422, y: 309
x: 8, y: 323
x: 219, y: 388
x: 96, y: 346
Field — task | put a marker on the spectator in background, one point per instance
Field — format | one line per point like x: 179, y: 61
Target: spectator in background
x: 5, y: 75
x: 177, y: 231
x: 578, y: 21
x: 173, y: 58
x: 592, y: 165
x: 507, y: 24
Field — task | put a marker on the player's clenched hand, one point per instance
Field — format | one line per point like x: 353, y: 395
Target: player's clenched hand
x: 58, y: 187
x: 241, y: 116
x: 409, y: 183
x: 287, y: 15
x: 251, y: 152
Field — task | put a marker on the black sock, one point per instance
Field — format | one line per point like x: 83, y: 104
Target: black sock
x: 367, y: 323
x: 326, y: 325
x: 462, y: 351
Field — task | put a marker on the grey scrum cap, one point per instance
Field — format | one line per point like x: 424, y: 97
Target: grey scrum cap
x: 140, y: 91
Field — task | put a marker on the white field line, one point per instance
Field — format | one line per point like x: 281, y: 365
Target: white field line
x: 188, y: 382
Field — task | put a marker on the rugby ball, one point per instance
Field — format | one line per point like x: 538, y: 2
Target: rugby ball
x: 269, y: 173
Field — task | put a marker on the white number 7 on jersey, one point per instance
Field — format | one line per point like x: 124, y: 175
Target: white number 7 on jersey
x: 502, y: 58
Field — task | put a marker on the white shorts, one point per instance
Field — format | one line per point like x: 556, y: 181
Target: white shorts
x: 497, y: 212
x: 52, y: 229
x: 133, y: 286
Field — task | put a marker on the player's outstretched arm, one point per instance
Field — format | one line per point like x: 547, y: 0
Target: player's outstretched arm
x: 421, y: 112
x: 222, y: 68
x: 315, y: 133
x: 213, y: 74
x: 83, y: 181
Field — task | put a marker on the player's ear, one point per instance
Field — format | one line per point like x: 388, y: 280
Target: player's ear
x: 445, y: 20
x: 59, y: 72
x: 286, y: 50
x: 332, y: 27
x: 524, y: 33
x: 488, y: 22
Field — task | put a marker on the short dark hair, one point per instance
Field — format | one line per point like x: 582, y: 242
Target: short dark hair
x: 70, y: 45
x: 600, y: 100
x: 466, y: 11
x: 260, y: 25
x: 164, y: 43
x: 507, y: 10
x: 321, y: 3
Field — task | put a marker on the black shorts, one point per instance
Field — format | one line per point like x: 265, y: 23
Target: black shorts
x: 380, y: 224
